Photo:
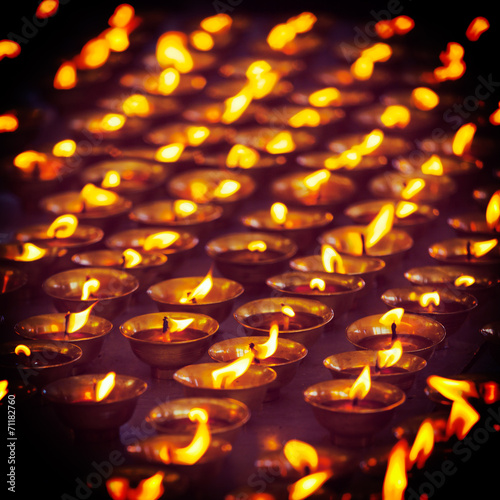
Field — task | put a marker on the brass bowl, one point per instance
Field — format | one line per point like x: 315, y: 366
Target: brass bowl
x: 427, y: 334
x: 50, y: 328
x: 228, y: 416
x: 408, y: 367
x: 14, y: 286
x: 114, y: 293
x: 91, y: 420
x: 340, y: 300
x: 166, y: 357
x: 250, y: 388
x: 285, y: 361
x: 217, y: 304
x: 251, y: 316
x: 353, y: 428
x: 454, y: 251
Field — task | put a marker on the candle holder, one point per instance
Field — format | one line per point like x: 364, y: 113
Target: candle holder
x: 217, y: 304
x: 391, y: 145
x: 237, y: 67
x: 285, y: 361
x: 91, y: 420
x: 301, y: 226
x: 188, y: 186
x: 350, y: 425
x: 325, y: 116
x: 162, y: 213
x: 348, y: 97
x: 437, y: 189
x: 482, y: 194
x: 473, y: 224
x: 234, y: 259
x: 453, y: 309
x: 169, y: 351
x: 391, y: 248
x: 491, y: 335
x: 310, y: 320
x: 367, y: 268
x: 457, y: 251
x: 348, y: 365
x: 226, y: 417
x: 339, y: 294
x: 50, y: 328
x: 13, y: 286
x: 419, y: 334
x: 158, y: 106
x: 225, y: 88
x: 291, y: 189
x: 45, y: 363
x: 260, y: 138
x: 114, y: 294
x: 250, y: 388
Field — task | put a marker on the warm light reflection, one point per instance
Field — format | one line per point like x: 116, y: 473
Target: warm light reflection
x: 131, y: 258
x: 278, y: 213
x: 168, y: 81
x: 29, y: 252
x: 4, y: 384
x: 65, y: 77
x: 463, y: 139
x: 76, y: 321
x: 89, y: 287
x: 200, y: 292
x: 379, y: 226
x: 388, y: 357
x: 242, y: 156
x: 257, y: 246
x: 429, y: 298
x: 325, y: 97
x: 63, y: 226
x: 268, y: 348
x: 8, y: 123
x: 412, y: 188
x: 161, y: 240
x: 423, y: 444
x: 21, y: 348
x: 361, y: 386
x: 104, y: 386
x: 122, y: 16
x: 65, y: 148
x: 395, y: 480
x: 476, y: 28
x: 405, y: 208
x: 393, y: 316
x: 464, y: 280
x: 480, y: 248
x: 424, y: 98
x: 331, y: 259
x: 433, y: 166
x: 169, y: 153
x: 225, y: 376
x: 171, y: 50
x: 396, y: 116
x: 307, y: 485
x: 493, y: 210
x: 136, y: 105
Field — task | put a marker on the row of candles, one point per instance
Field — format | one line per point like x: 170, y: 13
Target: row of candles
x: 208, y: 184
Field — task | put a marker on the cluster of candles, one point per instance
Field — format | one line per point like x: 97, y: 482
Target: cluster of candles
x: 187, y: 143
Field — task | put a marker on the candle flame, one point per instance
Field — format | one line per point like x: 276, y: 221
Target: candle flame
x: 454, y: 66
x: 424, y: 98
x: 136, y: 105
x: 464, y: 280
x: 393, y: 316
x: 168, y: 81
x: 225, y: 376
x: 150, y: 488
x: 65, y: 77
x: 433, y: 166
x: 281, y: 143
x: 21, y: 348
x: 89, y: 287
x: 94, y: 196
x: 76, y: 321
x: 480, y: 248
x: 413, y: 187
x: 476, y: 28
x: 201, y: 291
x: 257, y: 246
x: 428, y: 298
x: 111, y: 179
x: 235, y: 106
x: 362, y: 68
x: 361, y: 385
x: 8, y: 123
x: 178, y: 325
x: 331, y: 259
x: 399, y: 25
x: 316, y: 179
x: 395, y: 480
x: 161, y: 240
x: 317, y: 283
x: 302, y: 456
x: 4, y: 384
x: 405, y: 208
x: 104, y: 386
x: 63, y: 227
x: 423, y: 444
x: 268, y: 348
x: 283, y: 33
x: 171, y: 50
x: 380, y: 225
x: 218, y: 23
x: 396, y: 116
x: 30, y: 252
x: 389, y: 357
x: 197, y: 135
x: 117, y: 39
x: 226, y: 188
x: 371, y: 142
x: 279, y: 212
x: 27, y: 160
x: 169, y: 153
x: 201, y: 40
x: 307, y: 485
x: 242, y: 156
x: 493, y: 210
x: 261, y: 79
x: 65, y: 148
x: 287, y: 311
x: 329, y: 96
x: 9, y: 48
x: 122, y: 16
x: 131, y: 258
x: 305, y: 118
x: 93, y: 54
x: 184, y: 208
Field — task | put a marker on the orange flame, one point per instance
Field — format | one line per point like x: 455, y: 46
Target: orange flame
x: 307, y: 117
x: 9, y: 48
x: 94, y: 196
x: 160, y: 240
x: 261, y: 79
x: 393, y: 316
x: 63, y: 227
x: 170, y: 153
x: 47, y: 8
x: 378, y: 52
x: 8, y: 123
x: 197, y: 135
x: 217, y: 24
x: 302, y: 456
x: 150, y: 488
x: 361, y: 386
x: 201, y: 291
x: 27, y: 160
x: 494, y: 118
x: 131, y: 258
x: 428, y: 298
x: 316, y: 179
x: 178, y: 325
x: 184, y: 208
x: 307, y: 485
x: 89, y: 287
x: 493, y: 210
x: 362, y: 68
x: 317, y: 283
x: 423, y: 444
x: 395, y: 480
x: 122, y: 16
x: 136, y: 105
x: 279, y: 212
x: 380, y: 225
x: 281, y: 143
x: 104, y: 386
x: 235, y: 106
x: 370, y: 142
x: 268, y: 348
x: 280, y: 35
x: 171, y: 50
x: 201, y: 40
x: 111, y: 179
x: 226, y: 188
x: 325, y: 97
x: 331, y: 259
x: 225, y: 376
x: 94, y: 54
x: 476, y: 28
x: 65, y: 77
x: 396, y: 116
x: 168, y: 81
x: 480, y: 248
x: 30, y: 252
x: 464, y: 280
x: 257, y: 246
x: 389, y: 357
x: 433, y: 166
x: 76, y: 321
x: 405, y: 208
x: 463, y: 139
x: 424, y: 98
x: 22, y: 348
x: 117, y: 39
x: 413, y: 187
x: 4, y: 384
x: 454, y: 67
x: 399, y: 25
x: 65, y: 148
x: 242, y: 156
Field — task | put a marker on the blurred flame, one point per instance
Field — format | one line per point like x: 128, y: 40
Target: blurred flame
x: 303, y: 22
x: 396, y: 116
x: 287, y: 311
x: 317, y: 283
x: 184, y: 208
x: 117, y: 39
x: 89, y: 287
x: 9, y: 48
x: 301, y: 455
x: 307, y: 485
x: 27, y: 160
x: 464, y: 280
x: 217, y: 24
x: 452, y: 58
x: 405, y: 208
x: 171, y: 50
x: 63, y: 226
x: 393, y: 316
x: 380, y: 225
x: 168, y: 81
x: 235, y: 106
x: 433, y: 166
x: 463, y: 139
x: 160, y: 240
x: 325, y: 97
x: 242, y: 156
x: 75, y: 321
x: 4, y: 384
x: 65, y: 77
x: 30, y: 252
x: 281, y: 143
x: 370, y: 142
x: 226, y: 188
x: 395, y: 480
x: 476, y: 28
x: 331, y: 259
x: 495, y: 117
x: 284, y: 33
x: 389, y: 357
x: 93, y: 54
x: 225, y: 376
x: 493, y: 210
x: 170, y: 153
x: 201, y: 40
x: 122, y: 16
x: 262, y: 82
x: 413, y: 187
x: 362, y: 68
x: 279, y: 212
x: 111, y: 179
x: 399, y: 25
x: 8, y: 123
x: 22, y: 348
x: 268, y: 348
x: 257, y: 246
x: 201, y: 291
x: 316, y: 179
x: 361, y: 386
x: 109, y: 123
x: 480, y: 248
x: 428, y: 298
x: 150, y: 488
x: 136, y: 105
x: 197, y: 135
x: 65, y: 148
x: 104, y: 386
x: 423, y: 444
x: 131, y: 258
x: 424, y: 98
x: 92, y: 195
x: 306, y: 117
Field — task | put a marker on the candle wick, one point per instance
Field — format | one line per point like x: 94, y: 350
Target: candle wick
x: 307, y: 470
x: 66, y: 325
x: 254, y: 350
x: 377, y: 366
x: 468, y: 248
x: 355, y: 401
x: 393, y: 331
x: 363, y: 244
x: 165, y: 324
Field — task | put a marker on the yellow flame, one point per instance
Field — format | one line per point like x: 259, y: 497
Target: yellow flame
x: 493, y: 210
x: 280, y: 35
x: 217, y: 24
x: 395, y: 480
x: 235, y: 106
x: 178, y: 325
x: 316, y: 179
x: 150, y: 488
x: 201, y: 291
x: 184, y: 208
x: 279, y: 212
x: 28, y: 159
x: 413, y: 187
x: 201, y: 40
x: 405, y: 208
x: 428, y: 298
x: 389, y: 357
x: 65, y: 77
x: 136, y: 105
x: 122, y: 16
x: 226, y: 188
x: 301, y: 455
x: 424, y: 98
x: 47, y: 8
x: 94, y: 54
x: 423, y: 444
x: 76, y: 321
x: 63, y: 227
x: 242, y: 156
x: 307, y: 117
x: 111, y: 179
x: 170, y: 153
x: 257, y: 246
x: 463, y: 139
x: 287, y: 311
x: 331, y: 260
x: 30, y: 252
x: 433, y: 166
x: 89, y: 287
x: 225, y: 376
x: 171, y: 50
x: 281, y: 143
x: 476, y: 28
x: 380, y: 225
x: 268, y: 348
x: 325, y: 97
x: 168, y: 81
x: 160, y: 240
x: 362, y: 68
x: 200, y: 442
x: 464, y: 280
x: 110, y: 122
x: 117, y: 39
x: 379, y: 52
x: 22, y: 348
x: 361, y: 385
x: 94, y: 196
x: 303, y: 22
x: 393, y: 316
x: 8, y: 123
x: 317, y: 283
x: 104, y: 386
x: 197, y: 135
x: 65, y: 148
x: 396, y: 116
x: 4, y: 384
x: 131, y: 258
x: 371, y: 142
x: 307, y: 485
x: 480, y: 248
